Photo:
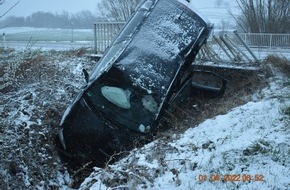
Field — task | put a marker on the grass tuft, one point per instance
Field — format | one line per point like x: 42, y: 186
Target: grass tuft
x: 281, y: 63
x: 259, y: 147
x: 277, y: 152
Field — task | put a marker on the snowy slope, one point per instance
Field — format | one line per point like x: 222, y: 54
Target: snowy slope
x: 247, y: 148
x: 35, y: 89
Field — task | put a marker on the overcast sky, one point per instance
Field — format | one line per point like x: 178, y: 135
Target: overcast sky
x: 27, y: 7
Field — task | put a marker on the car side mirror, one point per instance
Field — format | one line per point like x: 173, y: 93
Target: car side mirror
x: 208, y: 84
x: 86, y: 74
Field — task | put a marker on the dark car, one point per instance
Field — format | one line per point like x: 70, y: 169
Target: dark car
x: 147, y: 65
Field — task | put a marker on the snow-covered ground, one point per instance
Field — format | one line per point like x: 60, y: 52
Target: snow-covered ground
x: 247, y: 148
x: 35, y: 89
x: 249, y: 144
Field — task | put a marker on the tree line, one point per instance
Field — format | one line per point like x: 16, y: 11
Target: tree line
x: 80, y: 20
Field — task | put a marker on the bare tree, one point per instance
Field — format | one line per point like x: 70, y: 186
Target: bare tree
x: 3, y: 14
x: 270, y: 16
x: 117, y: 10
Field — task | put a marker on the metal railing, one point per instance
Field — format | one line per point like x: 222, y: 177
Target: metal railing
x: 104, y: 34
x: 266, y: 40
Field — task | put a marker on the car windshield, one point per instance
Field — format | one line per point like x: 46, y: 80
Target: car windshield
x: 116, y: 98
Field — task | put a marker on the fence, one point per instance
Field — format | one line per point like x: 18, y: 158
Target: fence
x: 266, y: 40
x: 104, y: 33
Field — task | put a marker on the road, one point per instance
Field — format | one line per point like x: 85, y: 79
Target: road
x: 49, y: 45
x: 261, y: 53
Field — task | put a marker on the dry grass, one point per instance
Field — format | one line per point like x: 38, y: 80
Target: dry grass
x: 280, y: 63
x: 241, y: 85
x: 30, y: 109
x: 77, y: 52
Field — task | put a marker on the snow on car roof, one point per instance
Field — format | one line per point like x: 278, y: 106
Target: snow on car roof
x: 152, y: 57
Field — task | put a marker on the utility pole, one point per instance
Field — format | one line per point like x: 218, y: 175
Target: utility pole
x: 72, y: 30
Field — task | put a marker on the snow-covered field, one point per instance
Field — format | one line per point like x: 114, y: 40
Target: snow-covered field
x: 22, y: 38
x: 46, y: 34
